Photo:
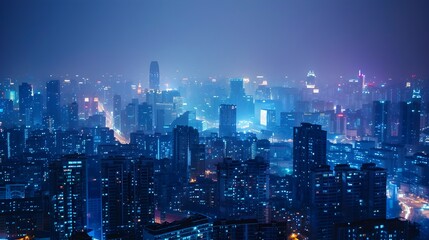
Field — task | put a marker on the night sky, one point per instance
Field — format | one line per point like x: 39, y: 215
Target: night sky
x: 384, y: 38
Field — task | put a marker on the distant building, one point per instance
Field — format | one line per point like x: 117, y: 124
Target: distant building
x: 145, y: 118
x: 409, y: 122
x: 37, y: 110
x: 198, y: 161
x: 26, y: 103
x: 154, y: 75
x: 381, y: 125
x: 227, y: 120
x: 184, y: 139
x: 73, y: 115
x: 310, y: 81
x: 268, y: 118
x: 53, y: 107
x: 117, y: 108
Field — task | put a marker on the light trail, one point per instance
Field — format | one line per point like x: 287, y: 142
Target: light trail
x: 407, y: 210
x: 412, y: 207
x: 109, y: 123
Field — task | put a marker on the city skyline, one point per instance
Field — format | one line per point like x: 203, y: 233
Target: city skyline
x: 241, y: 120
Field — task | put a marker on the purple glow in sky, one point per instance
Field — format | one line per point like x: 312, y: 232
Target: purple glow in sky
x: 273, y: 38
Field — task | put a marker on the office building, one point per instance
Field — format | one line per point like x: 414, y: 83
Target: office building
x: 53, y: 107
x: 243, y: 189
x: 324, y: 205
x: 184, y: 139
x: 374, y: 198
x: 409, y: 122
x: 25, y: 103
x: 145, y: 118
x: 38, y: 110
x: 127, y: 196
x: 309, y: 152
x: 227, y: 120
x: 68, y: 194
x: 117, y: 108
x: 73, y: 115
x: 381, y: 125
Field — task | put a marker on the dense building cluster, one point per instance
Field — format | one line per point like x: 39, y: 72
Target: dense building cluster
x: 109, y: 159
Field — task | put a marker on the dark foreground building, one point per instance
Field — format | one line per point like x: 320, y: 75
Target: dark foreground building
x: 194, y: 227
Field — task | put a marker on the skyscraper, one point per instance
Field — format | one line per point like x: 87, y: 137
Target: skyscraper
x: 310, y: 82
x: 237, y: 92
x: 349, y: 185
x: 198, y: 160
x: 129, y: 121
x: 53, y: 107
x: 347, y: 195
x: 381, y: 120
x: 127, y: 196
x: 6, y: 112
x: 68, y: 179
x: 243, y: 189
x: 237, y: 97
x: 184, y: 138
x: 409, y: 122
x: 309, y: 152
x: 154, y: 75
x: 25, y: 103
x: 323, y: 203
x: 117, y: 108
x: 37, y: 109
x: 145, y: 118
x: 374, y: 198
x: 73, y: 115
x: 227, y: 120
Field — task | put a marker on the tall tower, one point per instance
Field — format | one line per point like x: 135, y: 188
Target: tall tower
x: 227, y: 120
x: 145, y: 117
x: 374, y: 199
x: 73, y: 115
x: 154, y: 75
x: 184, y: 139
x: 127, y: 195
x: 381, y: 120
x: 310, y: 82
x: 117, y: 108
x: 309, y: 152
x: 237, y: 92
x: 243, y: 189
x: 409, y: 122
x: 37, y: 109
x: 53, y: 107
x: 25, y: 103
x: 349, y: 185
x: 324, y: 201
x: 68, y: 178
